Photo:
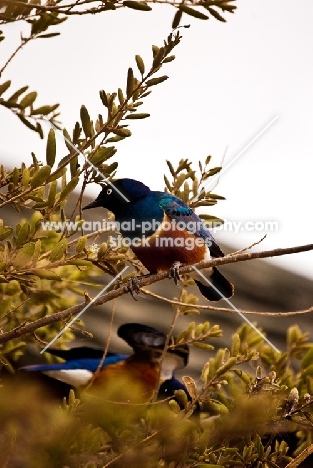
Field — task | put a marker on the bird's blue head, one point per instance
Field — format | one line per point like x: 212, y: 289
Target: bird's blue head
x: 116, y: 195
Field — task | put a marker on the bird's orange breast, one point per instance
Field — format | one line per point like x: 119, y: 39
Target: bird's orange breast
x: 158, y: 252
x: 129, y: 381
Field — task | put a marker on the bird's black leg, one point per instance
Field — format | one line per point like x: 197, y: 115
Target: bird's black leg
x: 132, y: 285
x: 173, y: 272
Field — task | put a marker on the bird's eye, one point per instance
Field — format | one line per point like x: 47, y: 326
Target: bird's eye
x: 109, y: 191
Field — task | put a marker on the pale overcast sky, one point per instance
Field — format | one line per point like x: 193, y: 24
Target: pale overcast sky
x: 227, y: 83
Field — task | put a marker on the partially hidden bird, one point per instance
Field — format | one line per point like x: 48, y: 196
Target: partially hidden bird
x: 164, y: 232
x: 138, y: 373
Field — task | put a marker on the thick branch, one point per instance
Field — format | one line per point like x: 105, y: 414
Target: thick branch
x: 145, y: 281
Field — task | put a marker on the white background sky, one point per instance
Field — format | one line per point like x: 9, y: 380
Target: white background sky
x: 227, y: 82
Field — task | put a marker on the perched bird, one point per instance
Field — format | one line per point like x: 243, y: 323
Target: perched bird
x: 163, y: 232
x: 120, y: 374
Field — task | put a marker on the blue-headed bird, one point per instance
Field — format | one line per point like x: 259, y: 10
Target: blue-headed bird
x: 121, y: 374
x: 163, y: 231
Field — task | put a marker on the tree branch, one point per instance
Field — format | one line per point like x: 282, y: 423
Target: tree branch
x: 26, y: 328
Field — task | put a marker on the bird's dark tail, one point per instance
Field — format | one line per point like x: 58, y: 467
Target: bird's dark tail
x: 220, y: 287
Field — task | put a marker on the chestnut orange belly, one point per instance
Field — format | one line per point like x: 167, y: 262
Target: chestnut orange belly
x: 131, y: 380
x: 158, y: 252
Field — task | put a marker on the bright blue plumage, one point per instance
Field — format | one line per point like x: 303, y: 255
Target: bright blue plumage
x: 162, y: 230
x: 88, y: 364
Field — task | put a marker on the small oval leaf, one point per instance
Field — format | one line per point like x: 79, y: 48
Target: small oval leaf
x: 155, y: 81
x: 140, y: 64
x: 24, y: 255
x: 40, y: 176
x: 192, y: 12
x: 69, y: 188
x: 137, y: 5
x: 86, y: 122
x: 46, y: 274
x: 51, y: 148
x: 5, y: 232
x: 137, y: 116
x: 28, y: 99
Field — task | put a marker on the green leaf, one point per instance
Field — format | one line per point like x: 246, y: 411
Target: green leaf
x: 40, y: 177
x: 17, y: 94
x: 67, y: 139
x: 137, y: 5
x: 216, y: 407
x: 192, y: 12
x: 86, y: 122
x: 124, y: 132
x: 51, y: 148
x: 171, y: 168
x: 52, y: 193
x: 307, y: 359
x: 158, y: 57
x: 57, y: 174
x: 155, y: 81
x: 46, y: 274
x: 76, y: 133
x: 27, y: 123
x: 140, y: 64
x: 74, y: 166
x: 79, y: 262
x: 177, y: 17
x: 109, y: 169
x: 137, y: 116
x: 216, y: 197
x: 130, y: 82
x: 213, y: 171
x: 69, y: 188
x: 115, y: 139
x: 24, y: 255
x: 28, y: 99
x: 103, y: 154
x: 215, y: 14
x: 25, y: 177
x: 5, y: 232
x: 42, y: 36
x: 169, y: 59
x: 58, y: 251
x: 120, y: 96
x: 81, y: 244
x: 22, y: 234
x: 103, y: 97
x: 199, y: 344
x: 44, y: 110
x: 4, y: 86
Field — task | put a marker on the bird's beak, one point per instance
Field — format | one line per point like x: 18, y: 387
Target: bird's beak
x: 93, y: 204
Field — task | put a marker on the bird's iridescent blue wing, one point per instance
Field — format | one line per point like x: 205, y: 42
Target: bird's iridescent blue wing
x: 178, y: 211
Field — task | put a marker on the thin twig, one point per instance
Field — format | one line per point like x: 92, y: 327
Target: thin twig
x: 250, y: 246
x: 225, y: 309
x: 24, y: 42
